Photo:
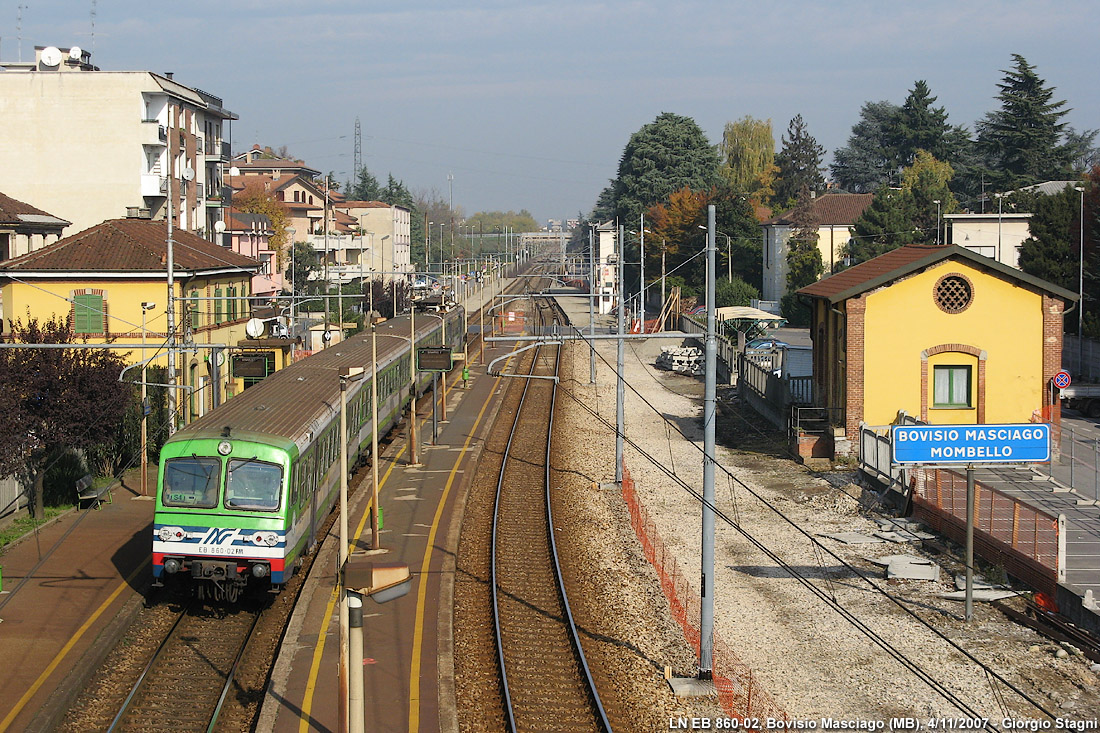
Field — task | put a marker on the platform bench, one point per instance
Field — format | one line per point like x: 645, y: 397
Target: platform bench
x: 85, y: 491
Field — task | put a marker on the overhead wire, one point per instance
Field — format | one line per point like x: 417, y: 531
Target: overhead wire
x: 806, y: 534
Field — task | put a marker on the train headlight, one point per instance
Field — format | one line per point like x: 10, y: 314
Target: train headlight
x: 225, y: 447
x: 171, y: 534
x: 265, y: 539
x: 260, y: 570
x: 172, y: 565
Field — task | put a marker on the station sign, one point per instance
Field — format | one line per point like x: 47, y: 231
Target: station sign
x: 933, y: 444
x: 434, y: 359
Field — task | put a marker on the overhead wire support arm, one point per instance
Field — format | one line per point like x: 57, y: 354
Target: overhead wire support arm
x: 491, y: 373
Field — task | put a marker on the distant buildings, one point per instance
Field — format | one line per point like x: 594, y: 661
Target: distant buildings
x: 832, y: 214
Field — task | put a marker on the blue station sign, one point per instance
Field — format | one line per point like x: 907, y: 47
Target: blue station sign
x: 1022, y: 443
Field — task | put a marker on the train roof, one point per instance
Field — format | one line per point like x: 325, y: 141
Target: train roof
x: 298, y: 400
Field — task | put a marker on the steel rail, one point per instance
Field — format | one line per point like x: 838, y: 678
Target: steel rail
x: 574, y: 637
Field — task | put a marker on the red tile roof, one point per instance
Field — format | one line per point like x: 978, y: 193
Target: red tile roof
x: 898, y: 263
x: 10, y: 209
x: 836, y: 209
x: 129, y: 245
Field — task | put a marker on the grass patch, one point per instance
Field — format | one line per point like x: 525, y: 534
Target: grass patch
x: 25, y: 525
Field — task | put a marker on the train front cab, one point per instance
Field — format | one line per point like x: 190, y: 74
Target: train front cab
x: 222, y: 515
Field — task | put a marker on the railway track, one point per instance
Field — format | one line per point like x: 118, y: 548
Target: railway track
x: 545, y: 679
x: 189, y: 677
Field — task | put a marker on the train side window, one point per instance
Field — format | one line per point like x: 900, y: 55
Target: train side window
x: 253, y: 484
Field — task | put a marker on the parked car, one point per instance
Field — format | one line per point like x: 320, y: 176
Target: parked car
x: 766, y: 343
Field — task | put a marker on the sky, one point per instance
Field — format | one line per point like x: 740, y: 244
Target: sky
x: 503, y: 105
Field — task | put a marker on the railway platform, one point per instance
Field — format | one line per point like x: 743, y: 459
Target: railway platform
x: 407, y: 671
x: 69, y: 592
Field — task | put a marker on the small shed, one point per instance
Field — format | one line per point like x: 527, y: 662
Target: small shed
x: 940, y: 332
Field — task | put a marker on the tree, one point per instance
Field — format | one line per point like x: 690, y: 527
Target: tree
x: 366, y: 187
x: 662, y: 157
x: 253, y: 199
x: 917, y: 125
x: 1022, y: 141
x: 747, y: 152
x: 304, y: 262
x: 804, y: 263
x: 867, y: 163
x: 736, y: 292
x: 883, y: 226
x: 925, y: 182
x: 55, y: 400
x: 799, y: 164
x: 1052, y: 252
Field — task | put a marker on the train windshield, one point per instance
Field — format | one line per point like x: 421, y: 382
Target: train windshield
x: 253, y: 484
x: 191, y: 482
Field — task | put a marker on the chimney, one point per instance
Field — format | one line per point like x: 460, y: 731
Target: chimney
x: 168, y: 74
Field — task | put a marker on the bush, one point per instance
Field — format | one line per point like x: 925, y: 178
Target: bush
x: 58, y: 485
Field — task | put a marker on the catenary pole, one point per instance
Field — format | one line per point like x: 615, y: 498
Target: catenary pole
x: 591, y: 305
x: 620, y: 388
x: 706, y: 602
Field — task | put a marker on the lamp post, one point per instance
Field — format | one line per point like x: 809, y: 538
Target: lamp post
x: 352, y: 373
x: 998, y: 196
x: 729, y: 254
x: 937, y: 203
x: 1081, y: 287
x: 145, y: 308
x: 293, y: 330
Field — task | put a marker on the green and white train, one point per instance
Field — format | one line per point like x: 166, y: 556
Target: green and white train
x: 243, y: 491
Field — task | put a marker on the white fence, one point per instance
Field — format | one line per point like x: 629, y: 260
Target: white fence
x: 12, y: 496
x: 875, y: 453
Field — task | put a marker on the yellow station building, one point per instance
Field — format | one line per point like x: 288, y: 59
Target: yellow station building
x: 110, y: 282
x: 940, y: 332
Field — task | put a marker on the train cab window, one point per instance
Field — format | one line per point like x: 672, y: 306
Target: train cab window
x: 253, y: 484
x: 191, y: 482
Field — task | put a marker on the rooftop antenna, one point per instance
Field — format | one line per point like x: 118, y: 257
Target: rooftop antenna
x: 92, y: 14
x: 358, y: 153
x: 19, y: 32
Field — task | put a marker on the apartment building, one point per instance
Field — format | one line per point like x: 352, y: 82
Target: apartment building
x: 91, y: 145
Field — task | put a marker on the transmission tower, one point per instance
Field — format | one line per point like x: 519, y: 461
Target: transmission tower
x: 358, y: 164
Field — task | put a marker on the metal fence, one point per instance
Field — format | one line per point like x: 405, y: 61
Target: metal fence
x: 1029, y: 543
x: 1081, y: 359
x: 739, y: 692
x: 1077, y: 461
x: 875, y: 453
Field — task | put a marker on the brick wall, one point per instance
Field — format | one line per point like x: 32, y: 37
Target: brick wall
x: 856, y: 310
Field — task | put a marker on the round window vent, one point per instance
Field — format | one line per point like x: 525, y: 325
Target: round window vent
x: 953, y: 293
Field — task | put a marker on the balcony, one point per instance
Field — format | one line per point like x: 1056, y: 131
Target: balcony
x: 154, y: 184
x: 154, y: 133
x: 216, y: 150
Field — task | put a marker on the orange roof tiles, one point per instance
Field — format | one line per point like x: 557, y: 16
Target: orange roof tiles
x: 130, y: 245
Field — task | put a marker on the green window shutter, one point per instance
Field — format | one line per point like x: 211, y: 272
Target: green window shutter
x: 88, y: 314
x: 218, y: 305
x: 232, y: 304
x: 196, y: 310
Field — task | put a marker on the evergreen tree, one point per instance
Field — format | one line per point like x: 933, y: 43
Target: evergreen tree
x: 1052, y: 252
x: 799, y: 164
x: 804, y: 263
x: 1022, y: 142
x: 366, y: 188
x: 884, y: 225
x: 926, y: 182
x: 663, y: 156
x: 867, y: 162
x: 737, y: 292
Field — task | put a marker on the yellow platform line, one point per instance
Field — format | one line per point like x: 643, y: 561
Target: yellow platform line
x: 33, y: 689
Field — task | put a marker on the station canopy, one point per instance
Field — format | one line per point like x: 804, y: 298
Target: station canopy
x: 750, y: 321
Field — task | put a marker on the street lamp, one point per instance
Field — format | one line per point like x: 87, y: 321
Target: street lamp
x: 145, y: 308
x: 351, y: 373
x: 937, y: 203
x: 1081, y: 286
x: 729, y: 251
x: 999, y: 196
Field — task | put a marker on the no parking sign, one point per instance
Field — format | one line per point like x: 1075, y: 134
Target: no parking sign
x: 1061, y: 379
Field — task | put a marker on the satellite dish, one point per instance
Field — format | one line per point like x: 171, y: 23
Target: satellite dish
x: 75, y: 53
x: 219, y: 226
x: 51, y: 56
x: 234, y: 171
x: 188, y: 174
x: 254, y: 328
